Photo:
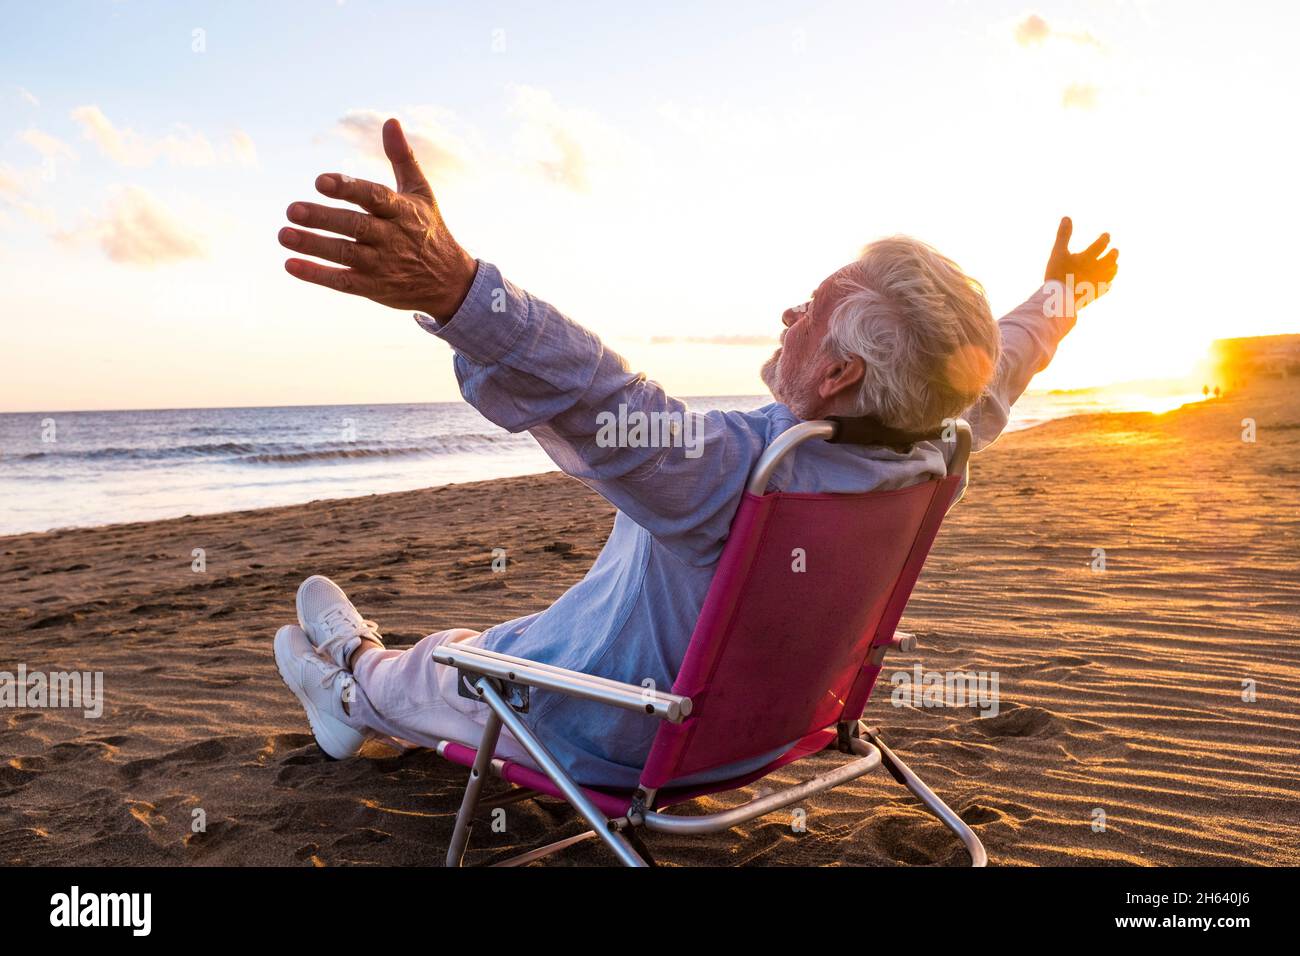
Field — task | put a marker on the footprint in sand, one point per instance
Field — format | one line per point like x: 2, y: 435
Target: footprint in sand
x: 280, y: 744
x: 1020, y: 722
x: 217, y: 833
x: 55, y: 620
x: 18, y: 773
x: 29, y: 763
x: 205, y: 751
x: 146, y: 813
x: 296, y: 769
x: 364, y: 836
x: 916, y: 839
x: 75, y: 751
x: 977, y: 814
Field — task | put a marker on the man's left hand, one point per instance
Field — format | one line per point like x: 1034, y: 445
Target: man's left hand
x: 1093, y: 266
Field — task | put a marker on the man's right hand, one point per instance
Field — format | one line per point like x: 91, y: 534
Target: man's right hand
x: 1089, y: 266
x: 403, y: 255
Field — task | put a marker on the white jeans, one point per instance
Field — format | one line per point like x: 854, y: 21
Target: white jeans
x: 406, y: 695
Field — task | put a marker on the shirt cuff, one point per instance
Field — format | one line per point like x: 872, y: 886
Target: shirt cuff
x: 488, y: 322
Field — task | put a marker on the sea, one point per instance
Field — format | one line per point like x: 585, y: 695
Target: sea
x: 81, y: 469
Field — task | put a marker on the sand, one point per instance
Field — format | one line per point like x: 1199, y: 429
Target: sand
x: 1121, y: 690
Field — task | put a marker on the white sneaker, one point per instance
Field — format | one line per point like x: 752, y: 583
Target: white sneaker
x: 321, y: 687
x: 334, y: 626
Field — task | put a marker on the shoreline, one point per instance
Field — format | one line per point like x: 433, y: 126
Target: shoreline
x: 1014, y: 428
x: 1120, y: 690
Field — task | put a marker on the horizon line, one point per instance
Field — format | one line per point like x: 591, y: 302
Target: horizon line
x: 1169, y: 380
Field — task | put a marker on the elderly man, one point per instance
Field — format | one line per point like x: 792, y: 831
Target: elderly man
x: 901, y: 333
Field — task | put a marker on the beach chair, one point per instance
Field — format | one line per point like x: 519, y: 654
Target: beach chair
x: 776, y: 656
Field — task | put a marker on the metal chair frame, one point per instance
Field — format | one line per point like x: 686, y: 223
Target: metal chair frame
x: 502, y: 682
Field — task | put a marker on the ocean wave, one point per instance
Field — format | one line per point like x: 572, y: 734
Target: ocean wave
x: 114, y: 453
x: 346, y: 452
x: 283, y: 453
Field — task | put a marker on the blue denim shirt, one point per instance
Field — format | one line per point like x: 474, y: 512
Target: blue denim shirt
x: 525, y: 366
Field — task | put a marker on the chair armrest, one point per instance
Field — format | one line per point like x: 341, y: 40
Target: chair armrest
x: 519, y: 670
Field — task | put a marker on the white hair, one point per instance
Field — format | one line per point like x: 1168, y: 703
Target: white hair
x: 923, y: 329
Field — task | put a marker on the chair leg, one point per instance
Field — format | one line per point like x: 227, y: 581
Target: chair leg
x: 487, y: 746
x: 523, y: 859
x: 947, y: 816
x: 612, y: 838
x: 639, y: 845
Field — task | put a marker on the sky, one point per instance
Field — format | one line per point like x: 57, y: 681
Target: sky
x: 672, y: 175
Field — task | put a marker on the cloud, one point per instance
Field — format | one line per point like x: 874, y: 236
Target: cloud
x: 16, y: 191
x: 440, y: 151
x: 1032, y: 30
x: 549, y: 137
x: 41, y: 215
x: 28, y: 96
x: 128, y: 148
x: 567, y: 147
x: 1080, y: 96
x: 10, y: 186
x: 50, y: 147
x: 182, y: 147
x: 138, y: 230
x: 242, y: 148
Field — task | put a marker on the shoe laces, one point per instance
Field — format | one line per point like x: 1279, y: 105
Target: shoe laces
x: 346, y: 694
x: 334, y: 675
x: 343, y: 621
x: 329, y: 671
x: 342, y: 624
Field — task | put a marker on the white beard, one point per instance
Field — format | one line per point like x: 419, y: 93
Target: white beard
x: 797, y: 395
x: 768, y: 373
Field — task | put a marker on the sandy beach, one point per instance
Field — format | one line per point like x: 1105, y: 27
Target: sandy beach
x: 1121, y: 690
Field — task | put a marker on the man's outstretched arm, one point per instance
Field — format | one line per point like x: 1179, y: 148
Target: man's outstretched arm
x: 1031, y: 332
x: 525, y: 365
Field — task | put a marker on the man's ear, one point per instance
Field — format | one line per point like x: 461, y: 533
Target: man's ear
x: 842, y: 375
